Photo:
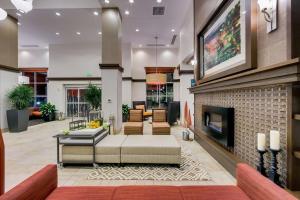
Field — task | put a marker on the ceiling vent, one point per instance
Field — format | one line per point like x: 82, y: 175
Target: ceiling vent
x: 159, y: 10
x: 30, y: 46
x: 173, y: 39
x: 154, y: 45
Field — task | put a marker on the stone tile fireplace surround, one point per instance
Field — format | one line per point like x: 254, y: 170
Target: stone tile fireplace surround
x: 264, y: 99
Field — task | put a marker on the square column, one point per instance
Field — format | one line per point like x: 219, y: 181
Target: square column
x: 111, y: 70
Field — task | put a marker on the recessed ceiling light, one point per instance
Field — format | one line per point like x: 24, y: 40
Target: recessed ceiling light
x: 57, y: 33
x: 127, y: 12
x: 18, y: 14
x: 99, y: 33
x: 78, y: 33
x: 96, y: 13
x: 106, y: 1
x: 158, y: 1
x: 19, y: 23
x: 57, y: 14
x: 173, y: 30
x: 131, y: 1
x: 137, y: 30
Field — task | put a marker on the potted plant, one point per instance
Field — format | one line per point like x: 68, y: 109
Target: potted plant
x: 20, y: 98
x: 48, y: 112
x: 93, y: 96
x: 125, y: 112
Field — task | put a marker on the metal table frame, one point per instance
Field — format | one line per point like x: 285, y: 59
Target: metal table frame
x: 74, y: 137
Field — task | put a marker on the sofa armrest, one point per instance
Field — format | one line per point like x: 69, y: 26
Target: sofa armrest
x: 258, y: 187
x: 37, y: 187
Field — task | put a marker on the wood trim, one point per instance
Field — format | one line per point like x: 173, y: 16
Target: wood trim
x: 139, y: 80
x: 281, y: 73
x: 227, y: 159
x: 33, y: 69
x: 297, y: 117
x: 9, y: 69
x: 150, y: 70
x: 74, y: 79
x: 111, y: 66
x: 185, y: 72
x: 127, y: 78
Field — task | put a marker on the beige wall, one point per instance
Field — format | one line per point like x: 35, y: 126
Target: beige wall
x: 9, y: 42
x: 272, y: 47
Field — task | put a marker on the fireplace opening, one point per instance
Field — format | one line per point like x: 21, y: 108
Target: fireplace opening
x: 218, y: 124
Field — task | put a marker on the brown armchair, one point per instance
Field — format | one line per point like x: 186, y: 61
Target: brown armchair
x: 160, y: 125
x: 135, y: 125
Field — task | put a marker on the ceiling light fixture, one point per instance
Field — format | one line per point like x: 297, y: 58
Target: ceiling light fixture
x: 106, y: 1
x: 131, y: 1
x: 3, y: 14
x: 99, y: 33
x: 57, y: 14
x: 19, y: 23
x: 24, y: 6
x: 57, y: 33
x: 173, y: 30
x: 96, y: 13
x: 127, y: 12
x: 78, y: 33
x: 19, y: 14
x: 137, y: 30
x: 158, y: 1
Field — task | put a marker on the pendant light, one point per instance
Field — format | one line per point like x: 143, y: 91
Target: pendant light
x: 3, y: 14
x: 24, y: 6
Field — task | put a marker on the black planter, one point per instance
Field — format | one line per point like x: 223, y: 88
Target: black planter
x: 125, y: 118
x: 49, y: 118
x: 17, y: 120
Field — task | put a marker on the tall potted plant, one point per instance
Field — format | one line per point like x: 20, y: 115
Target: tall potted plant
x: 20, y: 98
x: 125, y: 112
x: 48, y: 112
x: 93, y: 96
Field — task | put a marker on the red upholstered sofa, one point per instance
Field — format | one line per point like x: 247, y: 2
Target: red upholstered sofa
x: 250, y: 186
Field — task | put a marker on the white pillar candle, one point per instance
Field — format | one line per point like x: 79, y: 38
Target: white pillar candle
x: 261, y: 141
x: 274, y: 140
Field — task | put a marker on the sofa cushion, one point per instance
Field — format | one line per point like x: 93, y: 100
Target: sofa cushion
x: 87, y: 193
x: 110, y: 145
x: 135, y: 128
x: 151, y: 145
x: 257, y: 187
x: 213, y: 192
x: 160, y: 128
x: 147, y: 193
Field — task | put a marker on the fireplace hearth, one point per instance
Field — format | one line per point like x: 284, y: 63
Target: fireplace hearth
x: 218, y: 124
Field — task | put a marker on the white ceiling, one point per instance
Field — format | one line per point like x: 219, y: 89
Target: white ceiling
x: 39, y: 27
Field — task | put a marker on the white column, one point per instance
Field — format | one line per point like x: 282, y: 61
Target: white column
x: 111, y: 70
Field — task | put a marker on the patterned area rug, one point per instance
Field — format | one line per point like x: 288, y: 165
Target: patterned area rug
x: 190, y: 170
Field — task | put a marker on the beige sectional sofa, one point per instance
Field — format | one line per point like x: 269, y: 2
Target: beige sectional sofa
x: 155, y: 149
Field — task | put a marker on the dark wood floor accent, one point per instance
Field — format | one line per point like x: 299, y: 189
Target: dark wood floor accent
x: 227, y: 159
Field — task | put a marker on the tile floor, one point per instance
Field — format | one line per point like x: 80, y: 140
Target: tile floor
x: 29, y: 151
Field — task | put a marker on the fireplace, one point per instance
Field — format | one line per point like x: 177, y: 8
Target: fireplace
x: 218, y: 124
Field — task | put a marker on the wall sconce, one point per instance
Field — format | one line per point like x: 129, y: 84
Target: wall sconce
x: 269, y: 9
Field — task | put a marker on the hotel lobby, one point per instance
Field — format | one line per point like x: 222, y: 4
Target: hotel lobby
x: 149, y: 99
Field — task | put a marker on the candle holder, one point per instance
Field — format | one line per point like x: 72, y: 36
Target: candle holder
x: 261, y: 167
x: 273, y: 175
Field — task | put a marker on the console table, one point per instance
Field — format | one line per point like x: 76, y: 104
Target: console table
x: 85, y: 137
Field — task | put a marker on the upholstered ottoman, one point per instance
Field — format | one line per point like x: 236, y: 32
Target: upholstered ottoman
x: 107, y: 151
x: 161, y: 128
x: 156, y: 149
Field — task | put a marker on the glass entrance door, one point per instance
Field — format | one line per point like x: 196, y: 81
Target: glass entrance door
x: 159, y: 95
x: 76, y: 104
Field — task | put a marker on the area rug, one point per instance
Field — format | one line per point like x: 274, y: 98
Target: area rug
x: 190, y: 170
